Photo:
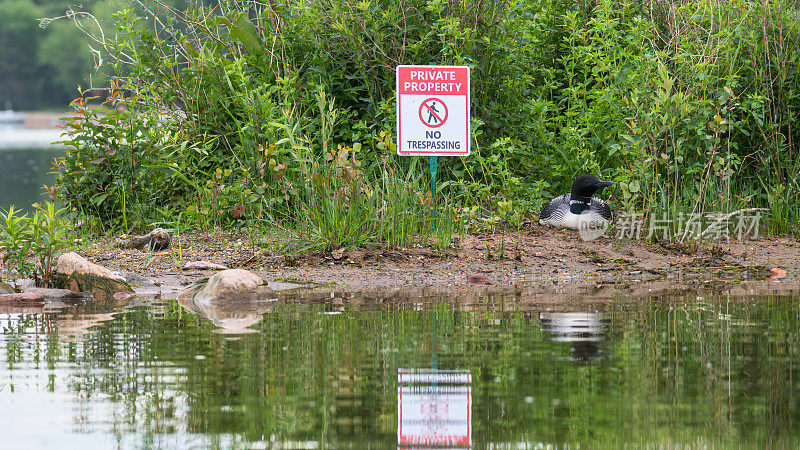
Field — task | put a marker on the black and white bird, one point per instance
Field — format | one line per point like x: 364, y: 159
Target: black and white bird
x: 580, y: 205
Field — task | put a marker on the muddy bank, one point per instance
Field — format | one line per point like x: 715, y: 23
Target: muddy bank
x: 541, y: 265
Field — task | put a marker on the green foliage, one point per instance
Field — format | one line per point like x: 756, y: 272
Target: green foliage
x: 680, y: 112
x: 689, y: 107
x: 115, y: 164
x: 50, y: 236
x: 41, y: 237
x: 16, y: 242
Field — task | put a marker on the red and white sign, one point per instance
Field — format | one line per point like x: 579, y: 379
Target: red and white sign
x: 433, y: 110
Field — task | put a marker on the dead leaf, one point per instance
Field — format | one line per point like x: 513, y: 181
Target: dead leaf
x: 777, y: 273
x: 478, y: 279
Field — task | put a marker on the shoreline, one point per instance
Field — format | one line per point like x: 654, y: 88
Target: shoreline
x: 29, y: 139
x: 31, y: 130
x: 551, y: 267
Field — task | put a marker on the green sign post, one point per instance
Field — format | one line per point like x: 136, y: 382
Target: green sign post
x: 434, y: 163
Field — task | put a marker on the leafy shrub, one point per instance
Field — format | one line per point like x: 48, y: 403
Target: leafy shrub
x: 115, y: 167
x: 42, y: 237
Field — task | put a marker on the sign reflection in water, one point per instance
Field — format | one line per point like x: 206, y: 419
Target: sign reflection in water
x: 584, y: 330
x: 434, y: 407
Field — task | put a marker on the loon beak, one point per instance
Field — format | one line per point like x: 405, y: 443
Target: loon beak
x: 602, y: 184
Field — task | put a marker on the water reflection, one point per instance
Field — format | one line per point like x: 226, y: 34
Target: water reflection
x: 719, y: 374
x: 22, y: 174
x: 74, y: 327
x: 585, y: 331
x: 434, y: 408
x: 232, y: 317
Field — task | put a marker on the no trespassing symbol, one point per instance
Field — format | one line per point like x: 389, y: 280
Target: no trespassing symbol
x: 433, y: 107
x: 433, y: 112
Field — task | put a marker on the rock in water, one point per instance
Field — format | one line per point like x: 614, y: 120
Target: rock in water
x: 76, y: 273
x: 229, y: 285
x: 22, y: 298
x: 232, y: 299
x: 133, y: 279
x: 158, y: 239
x: 57, y: 294
x: 5, y: 288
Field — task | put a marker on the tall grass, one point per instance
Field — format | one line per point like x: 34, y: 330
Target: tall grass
x: 340, y: 207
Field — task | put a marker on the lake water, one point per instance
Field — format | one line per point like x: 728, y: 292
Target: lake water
x: 22, y: 174
x: 351, y: 372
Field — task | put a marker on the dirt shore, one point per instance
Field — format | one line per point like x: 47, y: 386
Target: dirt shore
x: 542, y: 265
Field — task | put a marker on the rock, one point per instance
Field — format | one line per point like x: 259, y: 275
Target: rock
x: 5, y: 288
x: 232, y: 299
x: 57, y: 294
x: 134, y: 279
x: 70, y: 263
x: 76, y: 273
x: 158, y: 239
x: 24, y: 283
x: 356, y: 256
x: 203, y: 265
x: 229, y: 285
x: 24, y: 297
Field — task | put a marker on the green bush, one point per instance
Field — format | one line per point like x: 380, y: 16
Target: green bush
x: 688, y: 106
x: 41, y: 237
x: 116, y: 164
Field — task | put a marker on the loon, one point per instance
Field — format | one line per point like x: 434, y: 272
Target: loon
x: 579, y: 205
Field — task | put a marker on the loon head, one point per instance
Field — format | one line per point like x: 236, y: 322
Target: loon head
x: 584, y: 187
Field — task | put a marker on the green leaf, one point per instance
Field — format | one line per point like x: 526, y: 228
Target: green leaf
x: 100, y: 198
x: 242, y: 29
